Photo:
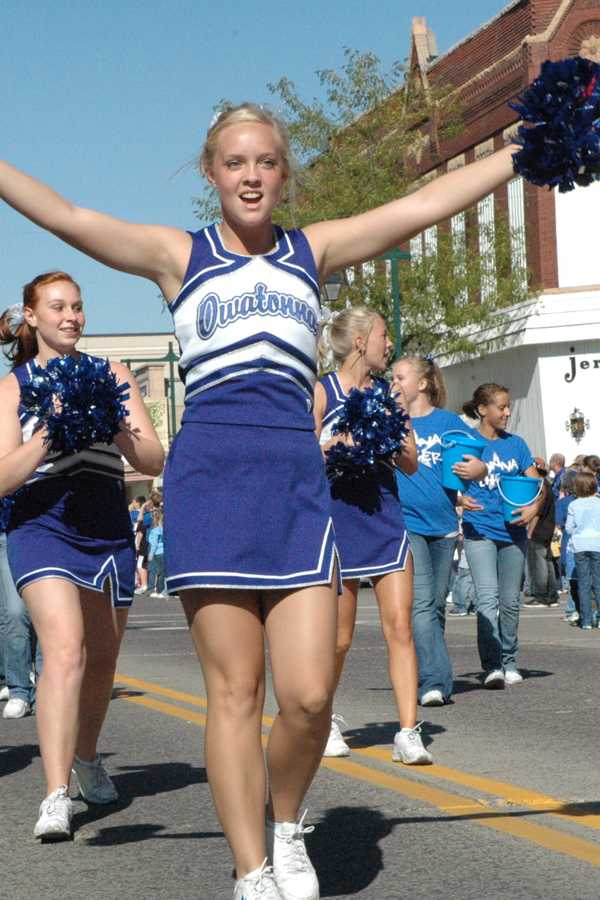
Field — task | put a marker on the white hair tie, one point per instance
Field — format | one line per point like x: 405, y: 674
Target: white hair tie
x: 14, y: 317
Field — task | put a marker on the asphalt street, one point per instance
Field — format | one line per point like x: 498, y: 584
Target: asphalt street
x: 511, y: 807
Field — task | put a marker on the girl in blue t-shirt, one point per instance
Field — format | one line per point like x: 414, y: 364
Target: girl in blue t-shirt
x: 430, y: 515
x: 496, y: 549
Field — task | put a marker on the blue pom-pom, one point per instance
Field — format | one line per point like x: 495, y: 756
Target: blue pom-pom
x: 79, y: 401
x: 6, y: 504
x: 378, y: 427
x: 561, y: 146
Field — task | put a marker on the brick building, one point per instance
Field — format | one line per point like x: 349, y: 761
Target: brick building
x: 550, y: 347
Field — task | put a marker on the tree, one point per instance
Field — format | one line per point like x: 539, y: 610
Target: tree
x: 358, y: 148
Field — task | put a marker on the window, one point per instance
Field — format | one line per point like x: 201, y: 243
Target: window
x: 485, y: 219
x: 516, y: 222
x: 458, y: 230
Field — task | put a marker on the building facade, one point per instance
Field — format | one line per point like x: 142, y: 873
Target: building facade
x: 547, y: 351
x: 152, y: 358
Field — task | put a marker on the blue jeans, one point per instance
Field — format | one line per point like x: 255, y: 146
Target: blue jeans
x: 432, y: 558
x: 588, y: 583
x: 156, y: 574
x: 20, y: 636
x: 463, y: 590
x: 497, y: 570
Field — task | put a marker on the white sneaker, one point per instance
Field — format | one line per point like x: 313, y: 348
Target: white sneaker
x: 494, y: 680
x: 140, y: 590
x: 157, y: 595
x: 16, y: 709
x: 408, y: 748
x: 512, y: 676
x: 259, y: 884
x: 94, y: 782
x: 54, y: 823
x: 4, y: 693
x: 294, y: 872
x: 336, y: 745
x: 432, y: 698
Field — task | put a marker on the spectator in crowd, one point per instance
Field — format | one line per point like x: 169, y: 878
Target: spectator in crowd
x: 540, y: 565
x: 134, y: 510
x: 583, y: 524
x: 567, y: 557
x: 593, y: 464
x: 156, y: 565
x: 141, y: 549
x: 18, y: 641
x: 463, y: 589
x: 556, y: 468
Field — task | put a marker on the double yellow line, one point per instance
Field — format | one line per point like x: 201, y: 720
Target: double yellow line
x: 508, y: 820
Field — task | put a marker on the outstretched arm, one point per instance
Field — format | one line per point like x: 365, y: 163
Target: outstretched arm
x: 153, y: 251
x: 343, y: 242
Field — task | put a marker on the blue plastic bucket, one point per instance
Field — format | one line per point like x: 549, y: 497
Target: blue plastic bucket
x: 455, y: 444
x: 518, y: 491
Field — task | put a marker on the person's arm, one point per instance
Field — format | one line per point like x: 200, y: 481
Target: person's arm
x: 470, y: 468
x: 137, y: 440
x: 18, y: 460
x: 319, y: 407
x: 406, y: 459
x: 343, y: 242
x: 570, y: 524
x: 152, y: 251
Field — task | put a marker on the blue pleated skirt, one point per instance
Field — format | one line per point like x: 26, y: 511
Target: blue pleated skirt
x: 76, y: 528
x: 246, y: 507
x: 369, y: 526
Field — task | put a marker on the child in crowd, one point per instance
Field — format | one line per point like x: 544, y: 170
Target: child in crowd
x: 583, y: 525
x: 156, y: 549
x: 568, y: 571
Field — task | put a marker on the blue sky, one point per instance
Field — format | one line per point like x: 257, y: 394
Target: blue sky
x: 109, y: 101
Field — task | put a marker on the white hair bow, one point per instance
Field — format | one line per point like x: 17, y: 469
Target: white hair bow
x: 14, y: 317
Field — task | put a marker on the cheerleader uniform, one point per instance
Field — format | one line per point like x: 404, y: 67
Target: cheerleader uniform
x: 246, y: 497
x: 70, y: 519
x: 369, y: 526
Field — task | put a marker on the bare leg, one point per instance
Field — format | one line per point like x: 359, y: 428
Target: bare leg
x: 394, y: 595
x: 228, y: 635
x: 347, y: 603
x: 104, y: 627
x: 55, y: 611
x: 301, y: 629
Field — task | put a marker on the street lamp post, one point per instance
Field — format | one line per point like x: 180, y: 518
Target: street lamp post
x: 171, y: 358
x: 394, y: 256
x: 333, y: 284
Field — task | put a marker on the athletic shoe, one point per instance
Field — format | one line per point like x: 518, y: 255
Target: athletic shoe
x: 533, y: 602
x: 432, y: 698
x: 583, y: 628
x: 512, y: 676
x: 552, y: 604
x: 140, y: 590
x: 457, y: 612
x: 259, y: 884
x: 572, y: 618
x: 93, y: 781
x: 157, y: 595
x: 336, y: 745
x: 16, y: 709
x: 294, y: 872
x: 408, y: 748
x: 4, y: 693
x: 494, y: 680
x: 54, y: 823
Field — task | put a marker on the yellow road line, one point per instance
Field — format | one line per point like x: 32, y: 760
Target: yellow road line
x: 512, y: 793
x: 461, y: 808
x: 442, y: 799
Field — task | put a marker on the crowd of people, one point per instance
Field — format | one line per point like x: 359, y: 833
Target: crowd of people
x: 257, y: 539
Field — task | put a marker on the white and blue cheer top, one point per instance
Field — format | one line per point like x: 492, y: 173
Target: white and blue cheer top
x: 247, y: 328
